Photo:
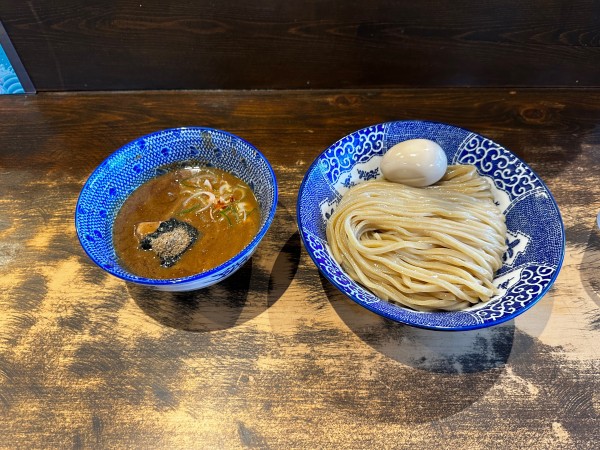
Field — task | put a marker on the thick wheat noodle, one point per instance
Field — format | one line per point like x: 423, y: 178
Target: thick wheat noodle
x: 433, y: 248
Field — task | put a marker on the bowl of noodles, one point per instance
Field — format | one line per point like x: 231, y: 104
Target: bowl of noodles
x: 476, y: 249
x: 178, y: 209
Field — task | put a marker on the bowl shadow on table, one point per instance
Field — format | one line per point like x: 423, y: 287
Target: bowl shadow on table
x: 255, y: 287
x: 427, y: 374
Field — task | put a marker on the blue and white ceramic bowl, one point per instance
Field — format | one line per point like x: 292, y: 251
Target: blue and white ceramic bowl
x: 536, y: 238
x: 139, y: 161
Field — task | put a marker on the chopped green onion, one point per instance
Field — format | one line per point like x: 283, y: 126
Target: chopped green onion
x: 189, y: 210
x: 235, y: 211
x: 226, y: 216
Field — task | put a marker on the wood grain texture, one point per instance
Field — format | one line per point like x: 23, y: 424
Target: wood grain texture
x: 275, y: 357
x: 267, y: 44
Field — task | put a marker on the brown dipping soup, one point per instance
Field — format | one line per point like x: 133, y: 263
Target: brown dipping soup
x: 210, y: 215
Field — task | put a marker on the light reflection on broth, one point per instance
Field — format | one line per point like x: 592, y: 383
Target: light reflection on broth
x: 154, y: 235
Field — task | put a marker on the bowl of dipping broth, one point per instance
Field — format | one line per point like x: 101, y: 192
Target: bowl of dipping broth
x: 177, y: 210
x: 431, y: 225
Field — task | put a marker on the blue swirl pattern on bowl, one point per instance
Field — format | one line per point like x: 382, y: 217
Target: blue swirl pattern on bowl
x: 535, y: 238
x: 145, y: 158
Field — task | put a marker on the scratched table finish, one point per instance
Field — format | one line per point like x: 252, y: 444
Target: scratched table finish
x: 275, y: 357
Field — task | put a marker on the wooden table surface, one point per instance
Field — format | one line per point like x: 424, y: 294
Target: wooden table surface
x: 275, y: 357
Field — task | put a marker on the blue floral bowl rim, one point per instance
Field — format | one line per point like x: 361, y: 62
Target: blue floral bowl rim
x: 390, y: 316
x: 172, y: 281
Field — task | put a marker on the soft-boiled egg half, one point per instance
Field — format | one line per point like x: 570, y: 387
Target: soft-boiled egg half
x: 415, y: 162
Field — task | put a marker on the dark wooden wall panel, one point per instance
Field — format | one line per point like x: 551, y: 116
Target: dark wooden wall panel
x: 274, y: 44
